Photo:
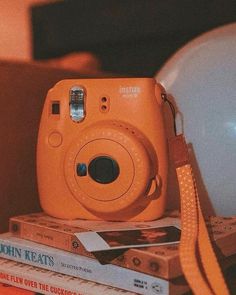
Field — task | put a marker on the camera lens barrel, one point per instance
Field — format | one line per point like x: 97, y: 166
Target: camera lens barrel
x: 103, y: 169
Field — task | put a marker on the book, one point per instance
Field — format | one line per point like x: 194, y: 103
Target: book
x: 47, y: 282
x: 162, y: 261
x: 31, y: 279
x: 45, y: 257
x: 6, y: 289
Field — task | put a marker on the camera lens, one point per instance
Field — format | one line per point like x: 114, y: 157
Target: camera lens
x: 103, y: 169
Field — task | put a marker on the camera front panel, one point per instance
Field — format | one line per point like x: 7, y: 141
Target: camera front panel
x: 101, y: 150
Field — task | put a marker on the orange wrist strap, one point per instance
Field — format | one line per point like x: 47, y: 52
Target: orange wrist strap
x: 197, y: 257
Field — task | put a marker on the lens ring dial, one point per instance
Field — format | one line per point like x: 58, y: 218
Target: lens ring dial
x: 106, y: 139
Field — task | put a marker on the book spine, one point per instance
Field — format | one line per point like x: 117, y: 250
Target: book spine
x: 47, y: 282
x: 62, y: 237
x: 79, y: 266
x: 50, y: 234
x: 6, y: 289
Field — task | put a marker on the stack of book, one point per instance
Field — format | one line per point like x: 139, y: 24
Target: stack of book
x: 42, y: 254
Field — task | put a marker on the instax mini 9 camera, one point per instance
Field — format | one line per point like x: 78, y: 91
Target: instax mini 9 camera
x: 101, y: 151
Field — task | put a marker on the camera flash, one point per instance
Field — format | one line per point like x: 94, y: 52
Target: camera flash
x: 77, y: 103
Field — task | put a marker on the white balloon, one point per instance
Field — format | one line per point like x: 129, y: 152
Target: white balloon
x: 201, y: 77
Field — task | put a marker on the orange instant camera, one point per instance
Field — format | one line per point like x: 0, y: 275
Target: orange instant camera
x: 102, y: 150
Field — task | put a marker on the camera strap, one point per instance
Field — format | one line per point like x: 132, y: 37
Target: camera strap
x: 198, y: 260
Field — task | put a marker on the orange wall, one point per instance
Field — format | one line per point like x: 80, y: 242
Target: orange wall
x: 15, y: 32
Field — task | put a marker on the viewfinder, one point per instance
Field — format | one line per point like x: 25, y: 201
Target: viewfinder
x: 55, y: 108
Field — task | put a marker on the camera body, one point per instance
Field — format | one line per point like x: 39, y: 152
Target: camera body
x: 101, y: 152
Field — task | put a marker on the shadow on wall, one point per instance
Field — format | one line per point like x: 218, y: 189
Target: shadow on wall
x: 23, y: 90
x: 128, y: 37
